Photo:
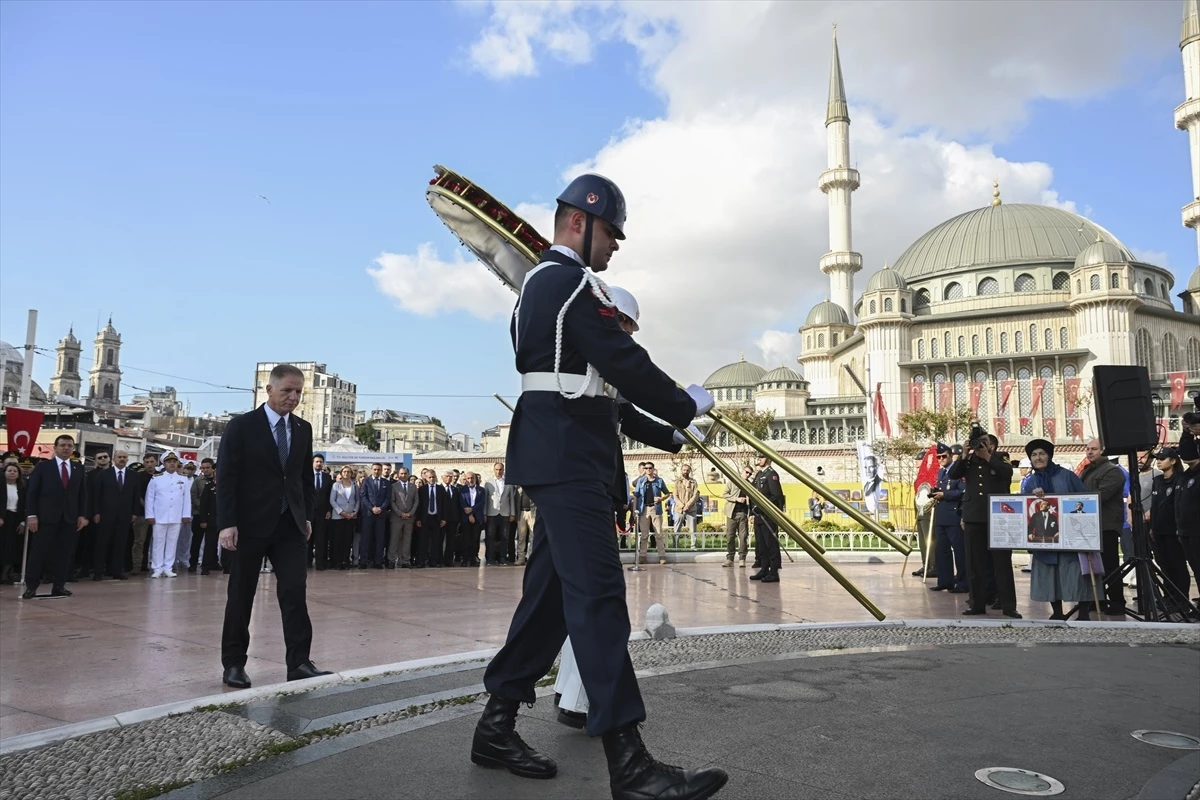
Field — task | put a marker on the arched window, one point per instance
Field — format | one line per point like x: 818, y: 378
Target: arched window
x: 1170, y: 353
x: 1193, y: 357
x: 1018, y: 342
x: 812, y: 435
x: 70, y: 393
x: 953, y: 291
x: 1148, y: 287
x: 1049, y: 339
x: 820, y: 340
x: 1003, y: 341
x: 933, y: 347
x: 962, y: 345
x: 1162, y: 290
x: 960, y: 389
x: 988, y: 286
x: 1047, y: 374
x: 1078, y: 286
x: 987, y: 335
x: 795, y: 435
x: 903, y: 306
x: 921, y: 349
x: 820, y: 436
x: 974, y: 344
x: 108, y: 358
x: 775, y: 434
x: 1094, y: 283
x: 938, y: 379
x: 1033, y: 337
x: 70, y: 364
x: 1143, y: 349
x: 981, y: 379
x: 738, y: 394
x: 887, y: 304
x: 722, y: 439
x: 872, y: 306
x: 1063, y: 341
x: 1114, y: 280
x: 108, y: 391
x: 833, y: 339
x: 1024, y: 283
x: 922, y: 299
x: 1062, y: 281
x: 1025, y: 399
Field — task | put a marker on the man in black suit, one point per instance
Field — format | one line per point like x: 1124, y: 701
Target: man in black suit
x: 322, y: 511
x: 443, y: 543
x: 56, y: 502
x: 431, y: 519
x: 115, y: 506
x: 264, y: 509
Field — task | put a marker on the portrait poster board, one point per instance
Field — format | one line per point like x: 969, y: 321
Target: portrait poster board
x: 1052, y: 522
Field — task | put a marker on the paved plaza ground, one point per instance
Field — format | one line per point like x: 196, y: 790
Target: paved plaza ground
x: 119, y: 646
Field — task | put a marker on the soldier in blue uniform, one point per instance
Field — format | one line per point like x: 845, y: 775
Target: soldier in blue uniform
x: 562, y: 449
x: 949, y: 546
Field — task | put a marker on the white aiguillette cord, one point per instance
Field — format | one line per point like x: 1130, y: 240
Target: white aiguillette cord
x: 600, y: 289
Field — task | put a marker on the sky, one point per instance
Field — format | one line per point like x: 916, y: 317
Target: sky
x: 244, y: 182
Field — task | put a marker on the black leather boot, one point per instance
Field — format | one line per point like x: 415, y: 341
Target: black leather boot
x: 762, y: 573
x: 633, y: 773
x: 497, y: 744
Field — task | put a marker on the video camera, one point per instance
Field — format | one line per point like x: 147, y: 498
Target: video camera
x: 978, y: 437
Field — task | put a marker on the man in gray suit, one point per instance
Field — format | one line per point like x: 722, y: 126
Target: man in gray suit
x: 404, y: 511
x: 501, y: 510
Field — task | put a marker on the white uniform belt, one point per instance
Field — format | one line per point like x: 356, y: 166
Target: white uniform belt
x: 548, y: 382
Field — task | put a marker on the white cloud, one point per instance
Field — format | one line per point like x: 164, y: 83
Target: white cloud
x: 1156, y: 257
x: 427, y: 285
x: 726, y: 224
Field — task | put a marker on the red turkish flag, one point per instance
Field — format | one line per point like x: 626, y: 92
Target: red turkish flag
x: 189, y: 455
x: 881, y: 412
x: 1006, y: 389
x: 1075, y: 427
x: 1050, y: 426
x: 928, y: 471
x: 1071, y: 390
x: 1039, y: 386
x: 976, y: 395
x: 23, y: 426
x: 1001, y: 426
x: 916, y: 395
x: 1024, y: 422
x: 1178, y: 381
x: 943, y: 395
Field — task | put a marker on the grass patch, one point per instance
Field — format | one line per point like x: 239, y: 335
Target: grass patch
x: 148, y: 791
x: 213, y: 707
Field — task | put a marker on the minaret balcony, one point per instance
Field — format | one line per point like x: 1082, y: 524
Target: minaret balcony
x: 841, y: 261
x: 839, y: 178
x: 1185, y: 112
x: 1191, y: 214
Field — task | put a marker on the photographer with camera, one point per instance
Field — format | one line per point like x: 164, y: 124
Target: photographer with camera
x: 986, y: 472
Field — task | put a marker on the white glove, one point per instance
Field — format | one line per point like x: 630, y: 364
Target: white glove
x: 704, y: 400
x: 681, y: 439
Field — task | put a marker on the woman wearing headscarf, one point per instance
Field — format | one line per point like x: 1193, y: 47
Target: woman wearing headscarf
x: 1057, y: 574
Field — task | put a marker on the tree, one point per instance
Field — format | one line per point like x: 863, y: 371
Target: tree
x: 901, y: 455
x: 437, y: 422
x: 737, y: 453
x: 365, y: 434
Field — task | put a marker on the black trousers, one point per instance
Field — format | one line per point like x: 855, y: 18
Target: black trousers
x: 1110, y: 554
x: 206, y: 539
x: 1191, y: 551
x: 50, y: 548
x: 10, y: 543
x: 468, y: 535
x: 511, y: 551
x: 446, y: 542
x: 111, y: 546
x: 343, y: 539
x: 766, y: 537
x: 574, y: 584
x: 321, y: 541
x: 1171, y: 559
x: 426, y: 537
x: 978, y: 558
x: 287, y: 548
x: 497, y: 538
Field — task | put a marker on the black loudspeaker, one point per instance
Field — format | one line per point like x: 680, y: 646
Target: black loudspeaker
x: 1124, y: 412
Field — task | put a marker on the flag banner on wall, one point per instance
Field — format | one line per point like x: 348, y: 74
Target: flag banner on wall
x: 1178, y: 384
x: 1050, y: 427
x: 1039, y: 386
x: 943, y: 395
x: 916, y: 395
x: 1071, y: 390
x: 1000, y: 426
x: 1006, y: 389
x: 976, y: 396
x: 1075, y: 428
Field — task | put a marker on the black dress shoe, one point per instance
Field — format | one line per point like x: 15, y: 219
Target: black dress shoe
x: 975, y: 612
x: 203, y: 572
x: 97, y: 577
x: 236, y: 678
x: 920, y: 573
x: 756, y: 565
x: 572, y: 719
x: 61, y: 592
x: 377, y: 566
x: 939, y: 588
x: 306, y: 670
x: 1013, y: 615
x: 772, y: 576
x: 634, y: 774
x: 192, y: 570
x: 29, y: 594
x: 389, y: 565
x: 497, y: 745
x: 758, y: 576
x: 995, y: 606
x: 959, y: 590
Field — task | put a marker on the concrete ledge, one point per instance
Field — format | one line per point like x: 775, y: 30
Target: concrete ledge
x: 28, y: 741
x: 1174, y: 781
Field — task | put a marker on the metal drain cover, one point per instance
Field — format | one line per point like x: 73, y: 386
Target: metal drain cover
x: 1019, y: 781
x: 1175, y: 741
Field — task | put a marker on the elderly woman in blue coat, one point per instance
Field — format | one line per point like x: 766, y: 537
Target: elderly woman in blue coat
x: 1057, y: 575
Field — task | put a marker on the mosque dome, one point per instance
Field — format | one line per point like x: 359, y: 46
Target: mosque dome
x: 780, y: 374
x: 738, y: 374
x: 1004, y: 234
x: 886, y: 278
x: 1194, y: 281
x: 827, y: 313
x: 1100, y: 252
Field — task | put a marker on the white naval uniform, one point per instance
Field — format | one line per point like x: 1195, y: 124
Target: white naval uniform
x: 569, y: 683
x: 168, y: 502
x: 183, y: 549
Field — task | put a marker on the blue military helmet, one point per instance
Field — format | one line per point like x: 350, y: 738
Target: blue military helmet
x: 599, y: 196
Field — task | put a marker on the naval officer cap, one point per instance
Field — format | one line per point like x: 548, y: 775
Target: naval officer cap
x: 167, y: 456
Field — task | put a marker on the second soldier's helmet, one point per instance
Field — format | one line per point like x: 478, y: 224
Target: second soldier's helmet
x: 599, y: 196
x: 626, y: 304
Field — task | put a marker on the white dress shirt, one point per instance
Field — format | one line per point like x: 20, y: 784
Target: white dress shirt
x: 11, y: 505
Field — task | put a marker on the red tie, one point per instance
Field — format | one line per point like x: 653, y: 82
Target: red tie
x: 66, y: 476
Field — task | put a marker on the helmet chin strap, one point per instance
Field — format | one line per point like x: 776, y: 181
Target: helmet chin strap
x: 587, y: 241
